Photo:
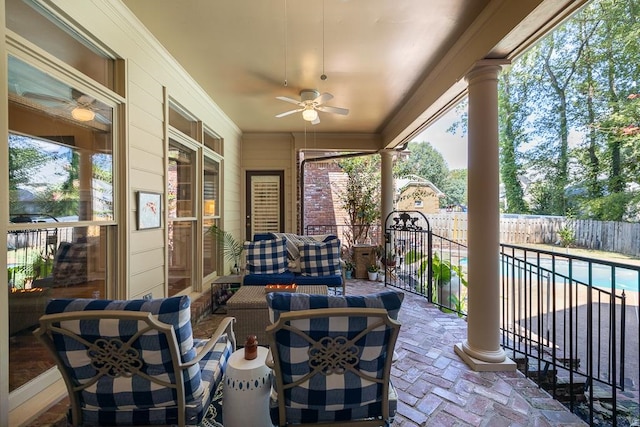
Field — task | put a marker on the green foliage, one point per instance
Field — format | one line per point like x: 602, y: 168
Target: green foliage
x: 360, y: 198
x: 423, y: 161
x: 579, y: 81
x: 512, y: 117
x: 442, y: 269
x: 455, y: 189
x: 613, y: 207
x: 231, y: 248
x: 41, y: 265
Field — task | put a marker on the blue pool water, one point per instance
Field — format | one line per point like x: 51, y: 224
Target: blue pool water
x: 601, y: 275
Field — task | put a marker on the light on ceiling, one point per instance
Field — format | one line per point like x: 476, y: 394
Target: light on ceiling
x: 82, y: 114
x: 309, y: 114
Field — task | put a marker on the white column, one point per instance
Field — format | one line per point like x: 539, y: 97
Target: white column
x: 482, y: 351
x: 386, y: 185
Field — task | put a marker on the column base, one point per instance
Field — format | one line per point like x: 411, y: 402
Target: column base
x: 482, y: 366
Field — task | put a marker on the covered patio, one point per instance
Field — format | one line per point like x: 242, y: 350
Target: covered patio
x: 436, y: 388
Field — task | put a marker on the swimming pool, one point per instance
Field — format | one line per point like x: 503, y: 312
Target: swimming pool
x: 601, y: 274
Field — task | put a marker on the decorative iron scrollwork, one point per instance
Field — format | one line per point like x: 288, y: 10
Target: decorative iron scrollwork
x: 404, y: 222
x: 333, y: 355
x: 113, y: 358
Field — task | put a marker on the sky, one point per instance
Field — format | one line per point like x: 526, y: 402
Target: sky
x: 452, y: 147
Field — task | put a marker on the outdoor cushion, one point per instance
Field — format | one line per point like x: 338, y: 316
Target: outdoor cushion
x: 330, y: 281
x: 175, y: 311
x: 266, y: 256
x: 282, y: 302
x: 320, y: 258
x: 285, y: 278
x: 117, y: 399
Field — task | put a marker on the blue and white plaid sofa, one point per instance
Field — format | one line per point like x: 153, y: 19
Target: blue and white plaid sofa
x: 308, y: 327
x: 285, y: 258
x: 135, y: 362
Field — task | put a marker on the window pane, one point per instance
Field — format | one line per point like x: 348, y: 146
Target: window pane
x: 44, y: 33
x: 57, y: 180
x: 211, y: 187
x: 213, y: 142
x: 180, y: 181
x: 183, y: 123
x: 44, y: 263
x: 210, y: 250
x: 60, y: 149
x: 180, y: 256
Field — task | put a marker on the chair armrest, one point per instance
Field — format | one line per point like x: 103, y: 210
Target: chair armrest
x: 226, y: 326
x: 269, y: 361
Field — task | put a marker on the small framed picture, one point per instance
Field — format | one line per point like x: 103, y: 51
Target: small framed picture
x: 149, y: 210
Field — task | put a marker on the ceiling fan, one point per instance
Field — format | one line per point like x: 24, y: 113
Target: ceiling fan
x: 311, y: 101
x: 82, y: 108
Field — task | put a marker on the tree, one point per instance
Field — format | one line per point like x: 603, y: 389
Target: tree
x: 423, y: 161
x: 361, y: 196
x: 455, y: 188
x: 513, y: 114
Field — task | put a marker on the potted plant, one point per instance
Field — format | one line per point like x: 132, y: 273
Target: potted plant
x: 348, y: 269
x: 390, y: 259
x: 231, y: 248
x: 372, y: 272
x: 449, y: 279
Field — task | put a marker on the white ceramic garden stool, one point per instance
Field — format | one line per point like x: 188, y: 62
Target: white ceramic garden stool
x: 246, y: 390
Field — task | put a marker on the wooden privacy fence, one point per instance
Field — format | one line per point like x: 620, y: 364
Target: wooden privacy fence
x: 611, y: 236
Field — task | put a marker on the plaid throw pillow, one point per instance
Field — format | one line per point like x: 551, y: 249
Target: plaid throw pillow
x: 320, y: 258
x: 266, y: 256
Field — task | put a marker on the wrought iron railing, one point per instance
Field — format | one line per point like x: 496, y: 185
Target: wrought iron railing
x: 571, y: 322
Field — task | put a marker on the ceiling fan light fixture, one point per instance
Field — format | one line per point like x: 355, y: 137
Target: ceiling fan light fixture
x: 309, y: 114
x: 82, y: 114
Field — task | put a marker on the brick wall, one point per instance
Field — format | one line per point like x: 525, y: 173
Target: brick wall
x: 320, y: 197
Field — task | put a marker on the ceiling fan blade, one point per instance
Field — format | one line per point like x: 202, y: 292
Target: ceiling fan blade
x: 43, y: 97
x: 287, y: 99
x: 321, y: 99
x: 102, y: 119
x: 286, y: 113
x: 334, y: 110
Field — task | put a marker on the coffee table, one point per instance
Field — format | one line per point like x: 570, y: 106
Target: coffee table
x: 249, y: 306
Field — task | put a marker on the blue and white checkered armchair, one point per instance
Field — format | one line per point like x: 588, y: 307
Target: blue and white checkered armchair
x: 332, y: 365
x: 135, y: 362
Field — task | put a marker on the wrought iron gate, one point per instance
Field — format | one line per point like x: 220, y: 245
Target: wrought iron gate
x: 407, y: 257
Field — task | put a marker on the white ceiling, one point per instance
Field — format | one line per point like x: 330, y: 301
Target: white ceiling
x: 393, y: 63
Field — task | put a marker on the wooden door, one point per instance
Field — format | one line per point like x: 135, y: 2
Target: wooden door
x: 265, y: 202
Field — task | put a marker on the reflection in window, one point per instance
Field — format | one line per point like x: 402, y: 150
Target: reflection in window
x: 60, y: 157
x: 211, y: 213
x: 45, y: 263
x: 211, y: 185
x: 56, y: 179
x: 180, y: 179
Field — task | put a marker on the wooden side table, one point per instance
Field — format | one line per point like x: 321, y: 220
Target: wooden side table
x: 363, y: 256
x: 246, y: 390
